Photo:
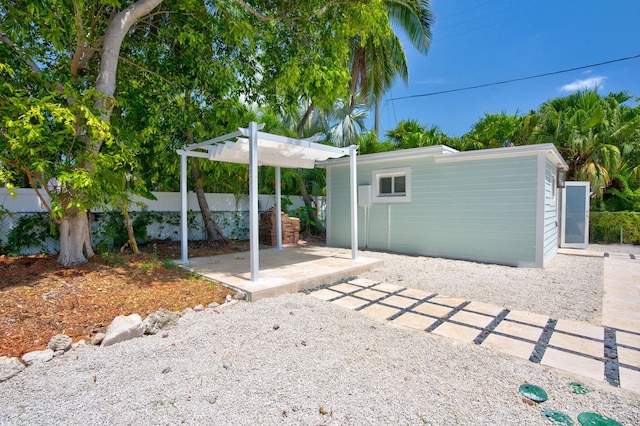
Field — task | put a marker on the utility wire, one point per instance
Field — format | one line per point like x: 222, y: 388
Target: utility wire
x: 515, y: 79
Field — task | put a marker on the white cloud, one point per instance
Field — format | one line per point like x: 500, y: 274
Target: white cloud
x: 584, y: 84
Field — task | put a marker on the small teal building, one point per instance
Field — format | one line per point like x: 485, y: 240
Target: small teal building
x: 493, y: 206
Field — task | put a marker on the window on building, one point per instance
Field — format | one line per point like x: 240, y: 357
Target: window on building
x: 392, y: 185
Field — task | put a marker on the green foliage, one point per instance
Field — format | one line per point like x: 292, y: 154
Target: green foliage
x: 169, y: 264
x: 494, y: 131
x: 597, y: 136
x: 31, y: 231
x: 306, y: 221
x: 113, y: 233
x: 411, y: 134
x: 620, y: 196
x: 369, y: 144
x: 606, y: 228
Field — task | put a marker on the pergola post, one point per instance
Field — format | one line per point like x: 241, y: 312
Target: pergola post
x: 354, y: 201
x: 254, y: 235
x: 184, y: 244
x: 278, y: 210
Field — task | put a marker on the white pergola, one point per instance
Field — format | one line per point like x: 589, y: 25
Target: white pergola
x: 255, y: 148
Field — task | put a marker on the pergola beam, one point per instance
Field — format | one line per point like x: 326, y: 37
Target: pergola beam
x: 275, y: 151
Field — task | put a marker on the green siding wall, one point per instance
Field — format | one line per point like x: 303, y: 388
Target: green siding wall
x: 551, y: 219
x: 481, y: 209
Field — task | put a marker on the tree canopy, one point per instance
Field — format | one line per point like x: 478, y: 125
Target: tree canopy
x: 598, y: 136
x: 93, y: 88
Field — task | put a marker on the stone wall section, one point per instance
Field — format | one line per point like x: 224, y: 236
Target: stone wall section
x: 290, y: 228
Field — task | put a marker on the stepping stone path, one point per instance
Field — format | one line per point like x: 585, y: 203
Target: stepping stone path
x: 599, y: 353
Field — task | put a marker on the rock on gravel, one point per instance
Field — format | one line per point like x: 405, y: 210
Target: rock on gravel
x: 156, y: 321
x: 9, y: 367
x: 37, y: 356
x: 323, y: 365
x: 60, y: 343
x: 123, y: 328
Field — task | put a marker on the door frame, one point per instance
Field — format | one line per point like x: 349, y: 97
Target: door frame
x: 563, y: 228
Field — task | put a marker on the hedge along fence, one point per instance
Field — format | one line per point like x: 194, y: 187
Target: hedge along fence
x: 618, y: 227
x: 26, y: 228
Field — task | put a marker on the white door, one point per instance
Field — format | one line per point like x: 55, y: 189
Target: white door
x: 575, y: 215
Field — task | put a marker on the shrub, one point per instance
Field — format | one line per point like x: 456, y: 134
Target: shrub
x: 606, y: 227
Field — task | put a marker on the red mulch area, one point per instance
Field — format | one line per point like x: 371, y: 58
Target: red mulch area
x: 39, y: 298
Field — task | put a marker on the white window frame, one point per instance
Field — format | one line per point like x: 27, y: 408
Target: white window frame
x: 391, y: 198
x: 554, y: 190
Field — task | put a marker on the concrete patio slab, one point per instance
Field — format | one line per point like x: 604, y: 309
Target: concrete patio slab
x: 289, y: 270
x: 621, y: 294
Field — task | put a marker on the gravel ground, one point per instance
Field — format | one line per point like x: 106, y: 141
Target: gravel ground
x: 298, y: 360
x: 570, y: 287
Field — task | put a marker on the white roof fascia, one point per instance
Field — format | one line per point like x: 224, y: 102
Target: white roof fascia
x: 393, y: 155
x: 513, y: 151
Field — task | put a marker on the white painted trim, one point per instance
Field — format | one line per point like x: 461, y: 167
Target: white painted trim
x: 563, y: 221
x: 541, y: 178
x: 327, y: 207
x: 254, y: 233
x: 354, y: 201
x: 391, y: 155
x: 184, y: 238
x: 380, y: 173
x: 278, y: 210
x: 513, y: 151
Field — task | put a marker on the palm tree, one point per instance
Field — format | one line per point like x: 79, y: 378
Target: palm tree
x: 594, y: 134
x: 376, y: 63
x: 494, y: 131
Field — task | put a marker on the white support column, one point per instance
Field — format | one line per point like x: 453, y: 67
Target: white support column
x: 354, y: 202
x: 254, y: 237
x: 278, y: 210
x: 184, y: 248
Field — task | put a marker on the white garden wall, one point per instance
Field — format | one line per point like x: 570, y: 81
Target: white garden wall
x: 161, y: 218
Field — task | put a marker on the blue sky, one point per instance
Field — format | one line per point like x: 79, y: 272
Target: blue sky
x: 484, y: 41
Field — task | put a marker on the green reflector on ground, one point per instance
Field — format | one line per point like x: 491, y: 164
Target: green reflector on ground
x: 594, y: 419
x: 533, y: 392
x: 579, y: 388
x: 557, y: 417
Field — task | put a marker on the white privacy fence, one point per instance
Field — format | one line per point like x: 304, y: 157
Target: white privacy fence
x: 25, y: 226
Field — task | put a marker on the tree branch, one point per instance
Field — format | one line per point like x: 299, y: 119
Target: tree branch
x: 80, y: 44
x: 254, y: 12
x: 34, y: 185
x: 4, y: 38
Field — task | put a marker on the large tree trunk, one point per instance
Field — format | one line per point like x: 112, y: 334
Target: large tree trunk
x: 214, y: 233
x: 116, y: 31
x: 75, y: 238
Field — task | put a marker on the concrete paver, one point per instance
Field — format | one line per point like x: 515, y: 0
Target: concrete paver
x: 609, y: 353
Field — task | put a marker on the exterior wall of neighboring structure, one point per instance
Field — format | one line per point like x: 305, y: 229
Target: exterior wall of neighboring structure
x: 486, y: 209
x: 551, y: 212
